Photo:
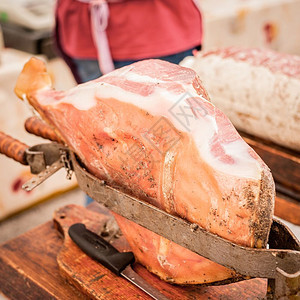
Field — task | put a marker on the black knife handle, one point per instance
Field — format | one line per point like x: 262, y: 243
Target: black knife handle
x: 99, y: 249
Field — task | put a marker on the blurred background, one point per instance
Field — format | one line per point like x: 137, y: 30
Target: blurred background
x: 26, y: 29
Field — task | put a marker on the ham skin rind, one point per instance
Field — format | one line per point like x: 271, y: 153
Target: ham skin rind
x: 123, y: 130
x: 258, y: 89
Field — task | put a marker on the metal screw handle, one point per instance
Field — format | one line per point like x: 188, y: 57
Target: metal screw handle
x: 13, y: 148
x: 37, y: 127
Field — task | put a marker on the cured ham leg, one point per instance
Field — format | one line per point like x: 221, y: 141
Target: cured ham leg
x: 150, y: 129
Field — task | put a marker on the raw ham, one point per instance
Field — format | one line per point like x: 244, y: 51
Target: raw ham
x: 258, y: 89
x: 150, y: 130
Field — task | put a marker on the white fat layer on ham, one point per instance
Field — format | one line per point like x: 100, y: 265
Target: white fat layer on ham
x: 131, y: 76
x: 167, y: 104
x: 81, y: 97
x: 256, y: 100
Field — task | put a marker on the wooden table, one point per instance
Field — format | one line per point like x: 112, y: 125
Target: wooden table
x: 41, y: 264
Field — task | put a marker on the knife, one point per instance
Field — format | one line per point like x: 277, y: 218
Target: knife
x: 117, y: 262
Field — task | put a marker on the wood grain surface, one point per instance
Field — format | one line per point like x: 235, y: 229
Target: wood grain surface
x: 284, y: 163
x: 99, y: 283
x: 41, y: 264
x: 287, y: 209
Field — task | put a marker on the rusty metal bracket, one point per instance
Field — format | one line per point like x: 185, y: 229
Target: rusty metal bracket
x: 42, y: 155
x: 45, y: 160
x: 67, y: 162
x: 284, y: 286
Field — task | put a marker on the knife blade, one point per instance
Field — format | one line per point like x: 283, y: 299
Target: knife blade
x: 118, y: 262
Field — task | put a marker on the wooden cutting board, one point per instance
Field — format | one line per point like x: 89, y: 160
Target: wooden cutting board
x: 99, y: 283
x: 42, y: 264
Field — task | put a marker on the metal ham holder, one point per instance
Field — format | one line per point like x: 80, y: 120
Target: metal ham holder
x: 280, y: 264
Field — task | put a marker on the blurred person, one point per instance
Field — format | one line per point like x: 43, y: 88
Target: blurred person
x: 96, y: 36
x: 116, y: 33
